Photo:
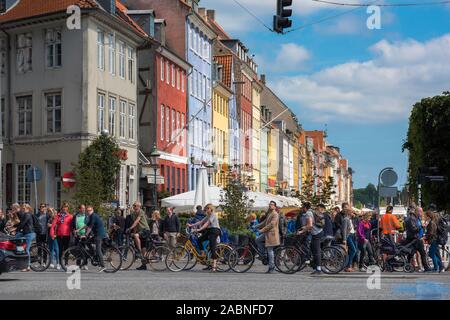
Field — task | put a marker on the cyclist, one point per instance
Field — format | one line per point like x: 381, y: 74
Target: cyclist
x: 141, y: 231
x: 94, y: 225
x: 212, y: 231
x: 414, y: 234
x: 270, y: 234
x: 389, y: 223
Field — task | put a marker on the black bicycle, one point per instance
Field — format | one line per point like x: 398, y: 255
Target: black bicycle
x: 84, y: 251
x: 296, y: 257
x: 39, y: 257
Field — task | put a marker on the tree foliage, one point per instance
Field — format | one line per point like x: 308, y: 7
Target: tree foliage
x: 316, y: 195
x: 236, y: 206
x: 367, y: 196
x: 96, y: 172
x: 428, y: 144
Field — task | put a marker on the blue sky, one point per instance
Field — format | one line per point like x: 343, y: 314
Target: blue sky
x: 361, y: 83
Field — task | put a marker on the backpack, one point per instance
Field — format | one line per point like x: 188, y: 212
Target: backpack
x: 36, y: 224
x: 442, y: 231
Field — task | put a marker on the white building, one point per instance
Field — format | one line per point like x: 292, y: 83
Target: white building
x: 61, y: 88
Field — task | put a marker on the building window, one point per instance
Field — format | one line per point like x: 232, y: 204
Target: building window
x: 100, y: 112
x: 112, y: 116
x: 25, y: 109
x: 2, y: 105
x: 204, y: 88
x: 101, y: 50
x: 191, y: 38
x: 195, y: 83
x: 190, y: 84
x: 183, y: 123
x: 167, y: 123
x: 173, y: 125
x: 162, y: 122
x: 162, y: 69
x: 178, y: 79
x: 2, y: 56
x: 132, y: 119
x: 173, y: 76
x: 167, y: 72
x: 122, y: 119
x: 24, y: 52
x: 54, y: 107
x: 23, y: 187
x: 131, y: 184
x: 178, y: 128
x: 182, y: 81
x: 53, y: 47
x: 122, y: 185
x: 131, y: 64
x: 122, y: 59
x: 112, y: 54
x: 168, y: 178
x: 173, y: 180
x: 205, y: 49
x: 57, y: 180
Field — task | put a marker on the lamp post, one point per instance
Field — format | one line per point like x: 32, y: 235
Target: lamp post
x: 154, y: 156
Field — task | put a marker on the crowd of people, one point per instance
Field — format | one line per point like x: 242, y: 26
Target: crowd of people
x: 59, y: 230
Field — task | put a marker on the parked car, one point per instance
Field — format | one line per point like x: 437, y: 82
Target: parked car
x: 13, y: 255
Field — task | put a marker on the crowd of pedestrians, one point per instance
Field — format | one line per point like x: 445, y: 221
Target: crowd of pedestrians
x: 354, y: 233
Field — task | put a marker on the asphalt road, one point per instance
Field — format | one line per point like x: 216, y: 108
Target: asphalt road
x: 198, y: 284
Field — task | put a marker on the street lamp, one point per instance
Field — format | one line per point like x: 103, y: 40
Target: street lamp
x: 154, y: 156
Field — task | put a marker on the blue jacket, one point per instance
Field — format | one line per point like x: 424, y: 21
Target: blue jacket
x: 252, y: 227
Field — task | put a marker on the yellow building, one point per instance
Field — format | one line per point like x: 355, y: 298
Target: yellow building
x: 256, y: 135
x: 221, y: 98
x: 297, y: 167
x: 273, y: 158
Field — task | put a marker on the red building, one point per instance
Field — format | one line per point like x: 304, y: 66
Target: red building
x: 171, y: 136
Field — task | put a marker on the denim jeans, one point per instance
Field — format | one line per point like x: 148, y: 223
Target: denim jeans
x: 271, y: 257
x: 351, y: 249
x: 434, y: 255
x: 29, y: 238
x: 54, y: 251
x: 260, y: 241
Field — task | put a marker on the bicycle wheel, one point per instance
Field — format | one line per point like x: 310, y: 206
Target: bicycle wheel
x: 39, y: 258
x: 333, y: 261
x: 157, y: 258
x: 241, y: 259
x: 288, y: 260
x: 71, y: 258
x: 223, y: 252
x: 192, y: 261
x: 128, y: 257
x: 177, y: 259
x: 112, y: 258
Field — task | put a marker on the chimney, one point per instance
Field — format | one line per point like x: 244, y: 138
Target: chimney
x: 211, y: 15
x: 263, y: 79
x: 108, y: 5
x: 160, y: 31
x: 202, y: 12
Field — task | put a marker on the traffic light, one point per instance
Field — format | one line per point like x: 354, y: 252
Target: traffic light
x: 281, y: 21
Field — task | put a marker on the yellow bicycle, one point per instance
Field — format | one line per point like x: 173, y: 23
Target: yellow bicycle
x: 187, y: 256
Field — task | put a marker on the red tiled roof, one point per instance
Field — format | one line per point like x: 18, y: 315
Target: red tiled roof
x: 227, y: 63
x: 34, y: 8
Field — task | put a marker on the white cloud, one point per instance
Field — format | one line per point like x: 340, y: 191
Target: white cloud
x: 377, y: 90
x: 290, y: 58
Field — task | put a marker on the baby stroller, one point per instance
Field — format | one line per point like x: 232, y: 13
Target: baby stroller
x: 395, y: 256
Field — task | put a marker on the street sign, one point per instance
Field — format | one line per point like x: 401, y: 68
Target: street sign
x: 389, y: 178
x: 34, y: 174
x: 436, y: 178
x: 390, y: 192
x: 68, y: 179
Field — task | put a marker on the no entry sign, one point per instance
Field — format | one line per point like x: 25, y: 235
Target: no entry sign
x: 68, y: 179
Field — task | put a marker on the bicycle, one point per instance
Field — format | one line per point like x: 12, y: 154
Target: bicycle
x: 155, y: 256
x: 79, y: 255
x: 179, y: 257
x: 242, y: 258
x: 40, y: 257
x: 296, y: 257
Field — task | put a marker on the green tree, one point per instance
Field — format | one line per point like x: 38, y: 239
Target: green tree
x: 321, y: 194
x: 366, y: 196
x: 96, y: 173
x: 236, y: 206
x: 428, y: 145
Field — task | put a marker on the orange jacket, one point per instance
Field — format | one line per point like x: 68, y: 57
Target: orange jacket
x: 389, y: 223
